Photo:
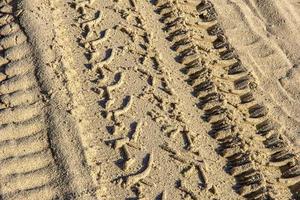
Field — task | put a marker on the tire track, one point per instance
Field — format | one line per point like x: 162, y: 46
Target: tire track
x: 33, y: 143
x: 217, y: 104
x: 138, y: 160
x: 24, y: 136
x: 172, y: 123
x: 106, y: 89
x: 260, y: 41
x: 98, y: 104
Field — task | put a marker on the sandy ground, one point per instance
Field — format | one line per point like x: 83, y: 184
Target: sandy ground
x: 140, y: 100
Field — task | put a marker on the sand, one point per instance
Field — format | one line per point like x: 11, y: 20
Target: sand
x: 160, y: 99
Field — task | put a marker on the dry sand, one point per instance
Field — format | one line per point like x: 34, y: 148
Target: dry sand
x: 157, y: 99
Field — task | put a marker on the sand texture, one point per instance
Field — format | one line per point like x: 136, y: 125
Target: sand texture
x: 149, y: 99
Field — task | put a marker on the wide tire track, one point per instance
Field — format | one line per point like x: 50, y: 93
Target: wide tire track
x: 23, y: 129
x: 250, y: 177
x: 32, y: 163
